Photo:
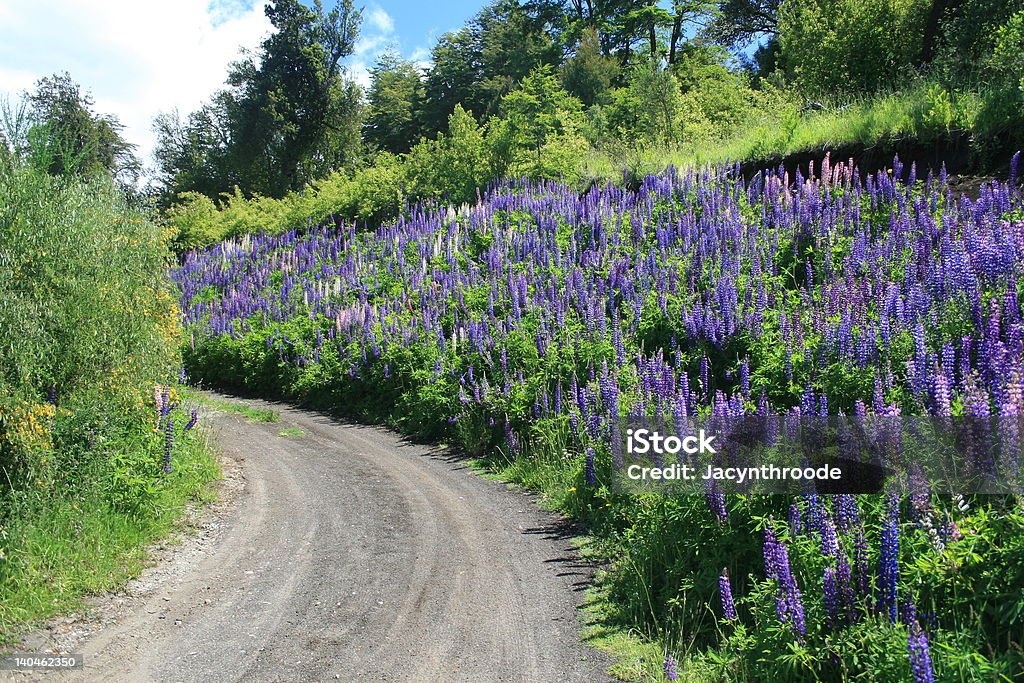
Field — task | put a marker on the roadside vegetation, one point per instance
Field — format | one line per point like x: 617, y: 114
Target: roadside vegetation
x: 97, y: 458
x: 525, y: 328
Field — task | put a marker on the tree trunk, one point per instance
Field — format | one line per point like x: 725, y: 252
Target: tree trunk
x: 677, y: 26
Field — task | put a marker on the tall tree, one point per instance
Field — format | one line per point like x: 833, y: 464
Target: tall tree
x: 452, y: 80
x: 76, y: 139
x: 514, y: 39
x: 192, y: 155
x: 588, y: 74
x: 286, y: 117
x: 289, y: 101
x: 395, y: 97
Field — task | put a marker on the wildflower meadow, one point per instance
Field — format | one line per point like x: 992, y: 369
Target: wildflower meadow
x: 523, y: 328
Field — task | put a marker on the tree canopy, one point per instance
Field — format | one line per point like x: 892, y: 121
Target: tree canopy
x: 58, y: 126
x: 528, y: 78
x: 286, y: 116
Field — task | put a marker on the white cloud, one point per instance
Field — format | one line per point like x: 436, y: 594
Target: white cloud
x: 138, y: 58
x: 379, y: 20
x: 135, y: 58
x: 377, y: 35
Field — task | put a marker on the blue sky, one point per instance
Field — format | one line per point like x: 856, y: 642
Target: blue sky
x: 141, y: 57
x: 418, y: 24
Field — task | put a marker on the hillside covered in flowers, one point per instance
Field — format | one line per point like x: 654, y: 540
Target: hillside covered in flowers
x: 523, y: 328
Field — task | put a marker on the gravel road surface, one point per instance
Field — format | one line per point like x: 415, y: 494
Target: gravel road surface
x: 350, y: 554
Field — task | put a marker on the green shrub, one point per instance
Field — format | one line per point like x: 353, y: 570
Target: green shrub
x: 370, y: 195
x: 851, y: 46
x: 454, y: 166
x: 88, y: 329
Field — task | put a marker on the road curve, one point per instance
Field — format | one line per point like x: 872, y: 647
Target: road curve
x: 351, y: 554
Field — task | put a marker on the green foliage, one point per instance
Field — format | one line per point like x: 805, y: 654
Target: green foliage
x: 88, y: 328
x: 394, y: 99
x: 716, y: 100
x: 650, y: 109
x: 851, y: 46
x: 881, y: 72
x: 965, y: 42
x: 537, y: 134
x: 588, y: 74
x: 455, y: 165
x: 287, y: 105
x: 193, y: 220
x: 740, y: 22
x: 452, y: 81
x: 478, y: 65
x: 1008, y: 46
x: 370, y: 195
x: 82, y: 299
x: 64, y: 541
x: 1002, y: 114
x: 513, y: 41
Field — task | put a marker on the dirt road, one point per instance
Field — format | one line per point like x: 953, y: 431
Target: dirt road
x: 352, y: 555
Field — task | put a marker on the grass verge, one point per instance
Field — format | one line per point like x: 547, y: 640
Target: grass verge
x: 56, y: 548
x: 234, y: 407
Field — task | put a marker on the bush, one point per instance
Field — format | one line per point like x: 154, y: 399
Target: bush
x: 851, y: 46
x: 88, y: 329
x: 454, y: 166
x: 649, y: 109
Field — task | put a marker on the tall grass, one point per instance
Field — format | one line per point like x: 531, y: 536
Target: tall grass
x: 926, y: 112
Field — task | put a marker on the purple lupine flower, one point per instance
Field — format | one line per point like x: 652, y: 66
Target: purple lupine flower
x: 919, y: 491
x: 794, y: 520
x: 920, y: 656
x: 861, y: 570
x: 591, y: 476
x: 510, y: 438
x: 940, y: 391
x: 725, y: 593
x: 715, y: 500
x: 812, y: 505
x: 168, y: 442
x: 788, y: 601
x: 830, y: 595
x: 829, y: 539
x: 888, y: 563
x: 847, y: 513
x: 192, y: 420
x: 844, y: 579
x: 669, y: 668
